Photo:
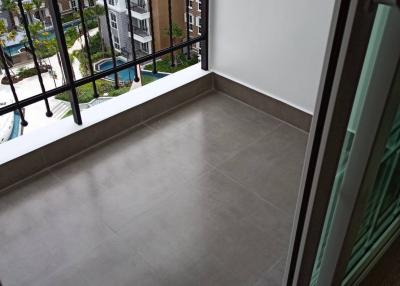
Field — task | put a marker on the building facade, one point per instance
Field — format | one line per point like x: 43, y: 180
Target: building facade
x: 120, y: 29
x: 194, y: 22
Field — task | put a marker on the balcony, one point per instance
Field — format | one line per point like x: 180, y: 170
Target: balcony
x: 141, y: 32
x: 139, y: 8
x: 139, y: 11
x: 141, y: 35
x: 186, y: 198
x: 188, y: 180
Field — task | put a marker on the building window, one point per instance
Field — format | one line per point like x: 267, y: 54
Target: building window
x: 113, y: 2
x: 116, y: 42
x: 198, y: 20
x: 199, y: 5
x: 191, y: 23
x: 143, y: 25
x: 113, y: 20
x: 144, y: 47
x: 190, y: 4
x: 73, y: 4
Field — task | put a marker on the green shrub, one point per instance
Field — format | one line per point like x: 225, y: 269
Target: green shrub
x: 95, y: 43
x: 25, y: 72
x: 70, y: 17
x: 164, y: 65
x: 28, y: 72
x: 85, y: 92
x: 147, y: 79
x: 91, y: 24
x: 71, y: 35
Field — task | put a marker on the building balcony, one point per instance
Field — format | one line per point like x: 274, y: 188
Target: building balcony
x: 139, y: 11
x: 188, y: 180
x: 141, y: 35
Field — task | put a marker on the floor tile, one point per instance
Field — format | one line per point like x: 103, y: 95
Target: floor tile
x: 67, y: 276
x: 215, y: 126
x: 273, y: 276
x: 271, y: 167
x: 201, y: 196
x: 113, y: 263
x: 246, y: 250
x: 210, y: 271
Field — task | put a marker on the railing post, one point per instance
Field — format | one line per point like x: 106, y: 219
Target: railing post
x: 204, y: 31
x: 65, y: 61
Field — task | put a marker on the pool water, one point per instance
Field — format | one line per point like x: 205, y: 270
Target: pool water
x: 16, y: 127
x: 128, y: 74
x: 14, y: 49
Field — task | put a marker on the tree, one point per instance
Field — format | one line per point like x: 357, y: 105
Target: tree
x: 44, y: 46
x: 28, y: 7
x: 11, y: 8
x: 96, y: 11
x: 177, y: 34
x: 38, y: 5
x: 10, y: 35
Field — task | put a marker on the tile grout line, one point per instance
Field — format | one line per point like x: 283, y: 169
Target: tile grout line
x: 259, y: 110
x: 252, y: 192
x: 235, y: 153
x: 240, y: 150
x: 269, y: 269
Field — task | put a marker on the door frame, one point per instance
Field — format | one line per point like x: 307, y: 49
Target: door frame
x: 348, y: 42
x: 378, y: 113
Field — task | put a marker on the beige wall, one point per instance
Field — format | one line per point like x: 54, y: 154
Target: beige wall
x: 161, y: 23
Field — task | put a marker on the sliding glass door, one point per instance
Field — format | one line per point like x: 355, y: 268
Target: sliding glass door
x: 350, y: 210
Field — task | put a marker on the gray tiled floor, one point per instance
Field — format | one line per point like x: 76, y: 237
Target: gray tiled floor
x: 201, y: 196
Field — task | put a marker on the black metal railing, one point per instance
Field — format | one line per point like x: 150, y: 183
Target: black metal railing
x: 140, y: 31
x: 71, y: 84
x: 137, y: 6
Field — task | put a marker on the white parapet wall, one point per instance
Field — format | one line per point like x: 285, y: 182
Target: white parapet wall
x: 276, y: 47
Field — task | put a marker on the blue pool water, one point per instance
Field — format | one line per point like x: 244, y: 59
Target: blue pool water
x: 16, y: 127
x: 127, y: 74
x: 14, y: 49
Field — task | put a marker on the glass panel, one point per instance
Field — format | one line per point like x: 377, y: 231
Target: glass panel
x: 368, y: 68
x: 383, y: 203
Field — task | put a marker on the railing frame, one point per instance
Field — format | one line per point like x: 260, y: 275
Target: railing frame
x: 71, y: 84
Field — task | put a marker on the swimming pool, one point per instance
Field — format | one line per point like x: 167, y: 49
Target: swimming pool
x: 16, y: 131
x: 15, y: 49
x: 128, y: 74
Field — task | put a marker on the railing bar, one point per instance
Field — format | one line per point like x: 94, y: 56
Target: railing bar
x: 136, y: 79
x: 85, y: 35
x: 204, y: 29
x: 171, y: 39
x: 35, y: 61
x: 189, y: 50
x: 9, y: 77
x: 102, y: 74
x: 108, y: 15
x: 65, y: 61
x: 153, y: 41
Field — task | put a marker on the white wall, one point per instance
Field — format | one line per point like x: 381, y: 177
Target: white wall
x: 274, y: 46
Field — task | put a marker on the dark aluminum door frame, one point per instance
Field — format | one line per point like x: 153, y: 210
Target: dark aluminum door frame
x: 380, y: 108
x: 352, y: 32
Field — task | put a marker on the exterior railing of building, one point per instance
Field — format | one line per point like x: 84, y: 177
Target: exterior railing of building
x: 137, y: 7
x: 71, y: 84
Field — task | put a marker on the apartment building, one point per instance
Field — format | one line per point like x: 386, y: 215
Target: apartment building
x: 43, y: 14
x: 194, y: 9
x: 120, y: 29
